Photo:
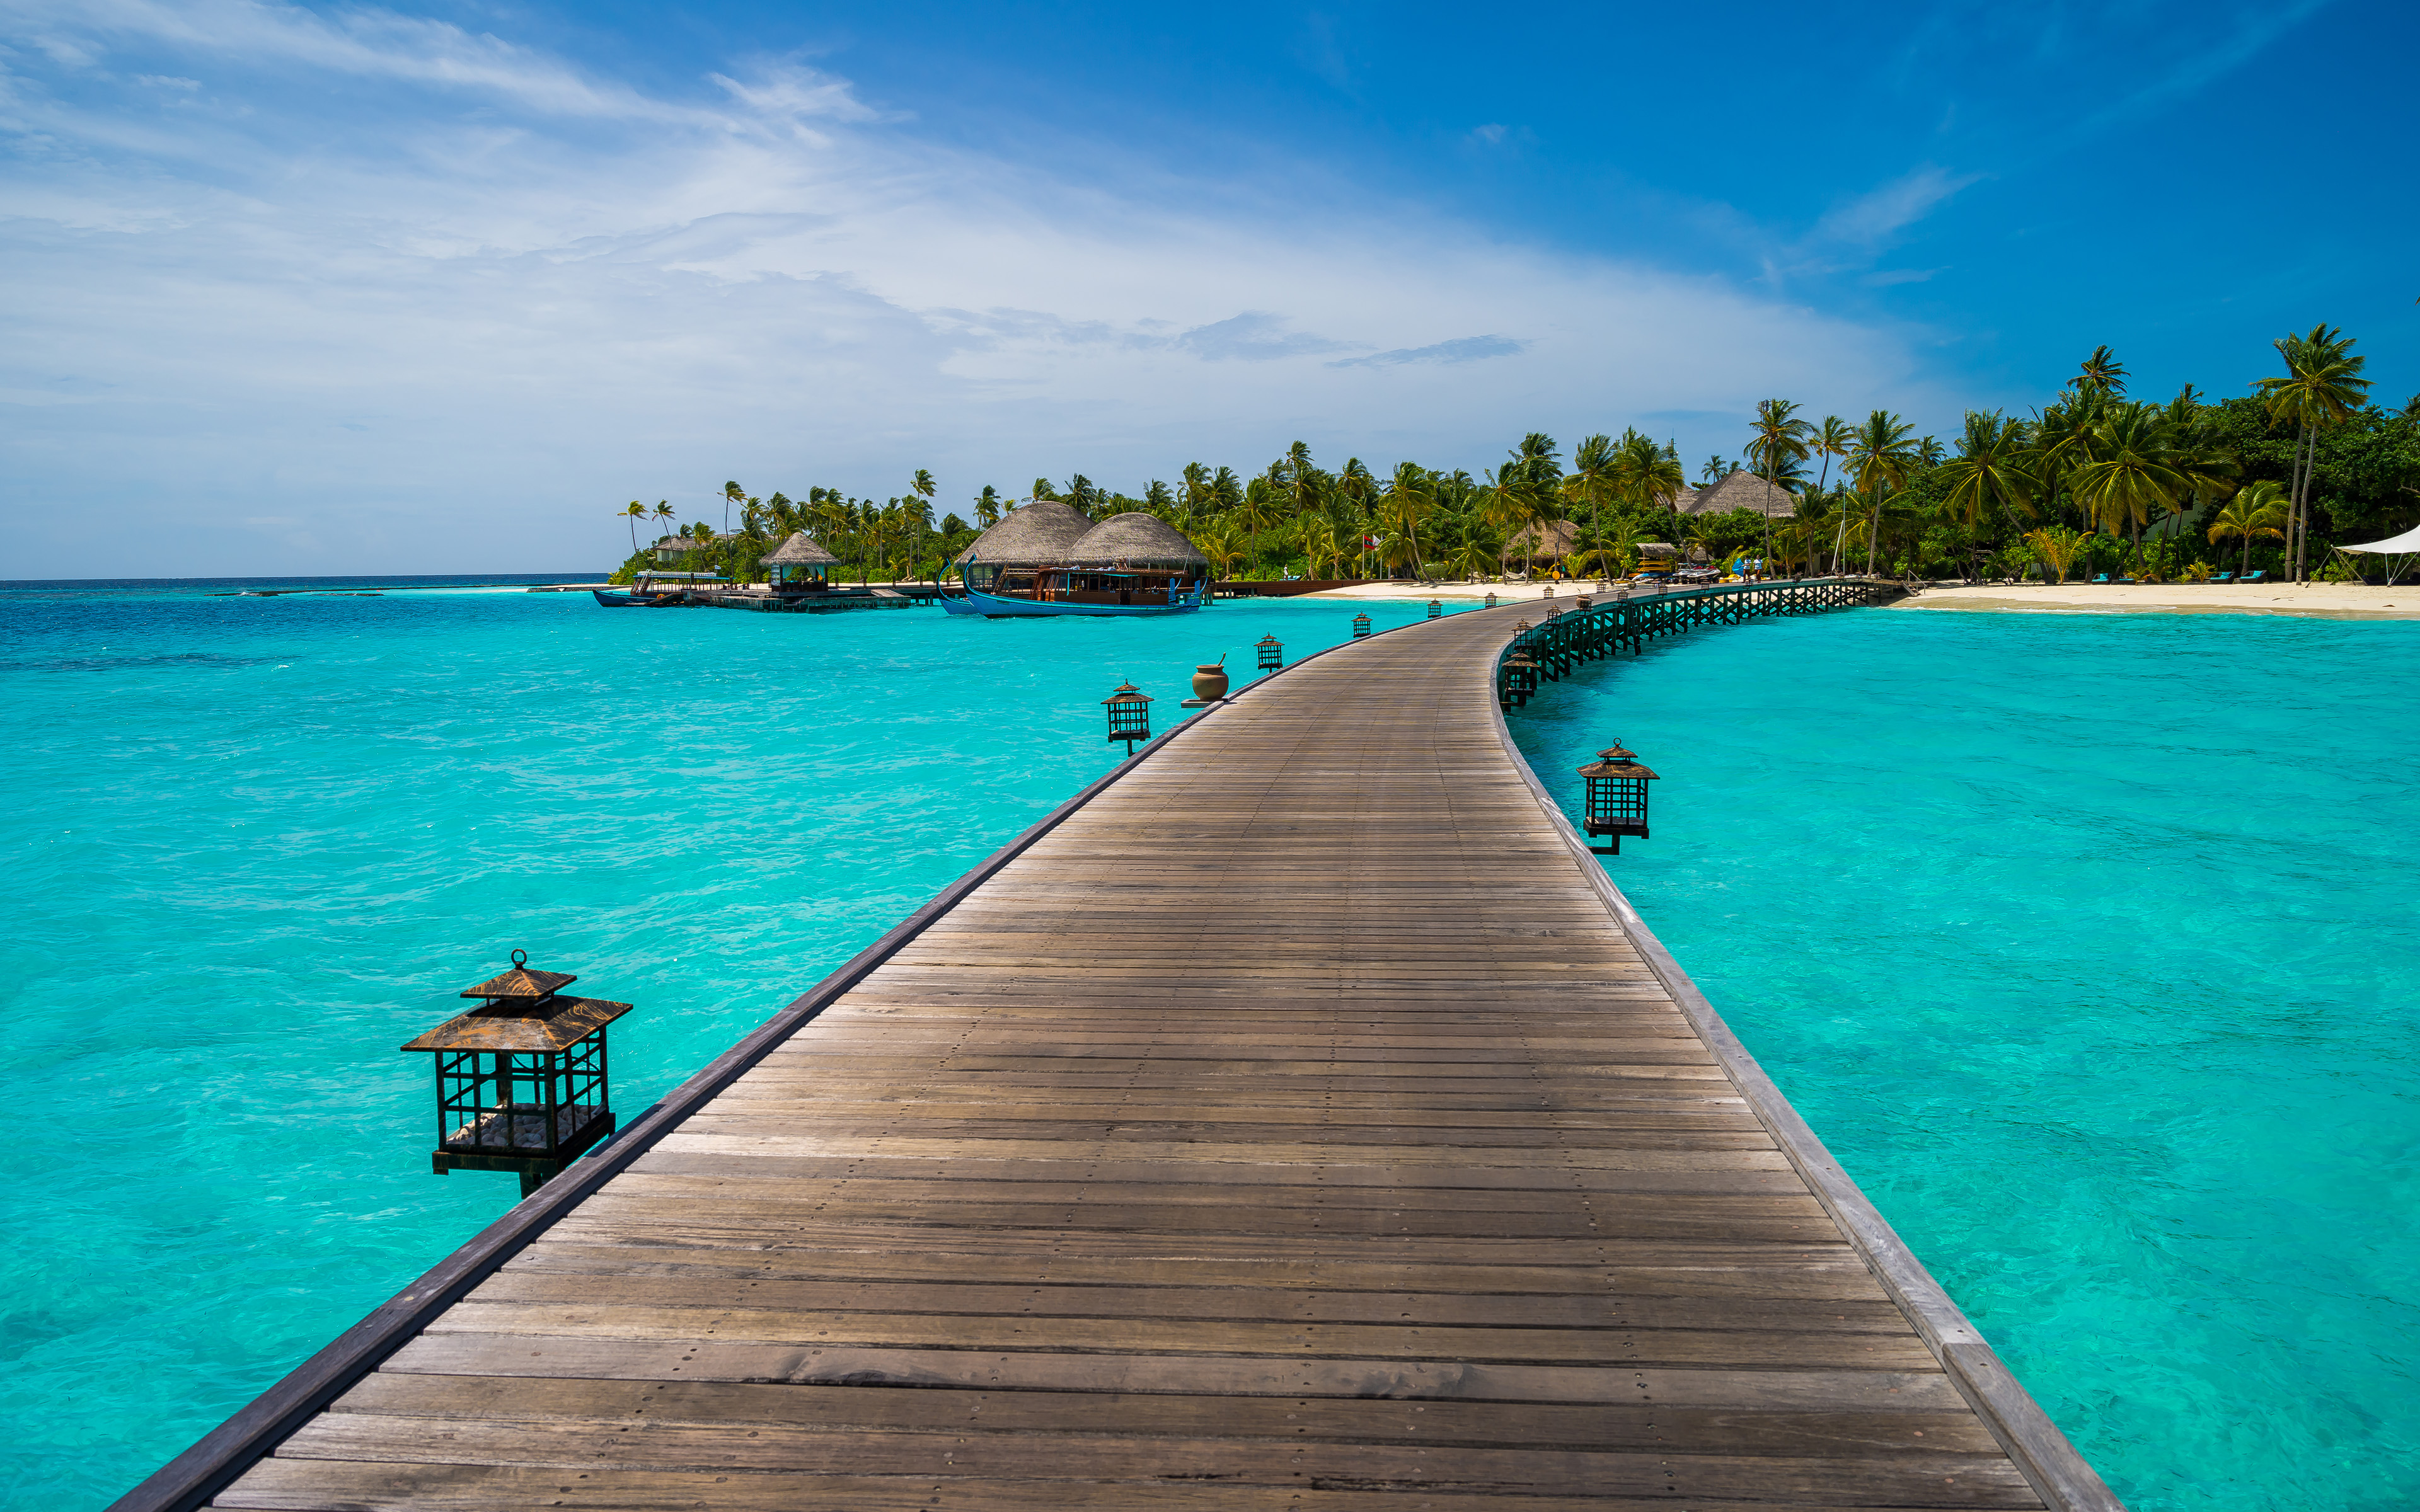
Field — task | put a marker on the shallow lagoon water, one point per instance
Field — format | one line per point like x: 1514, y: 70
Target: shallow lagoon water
x: 2084, y: 943
x: 253, y: 844
x: 2079, y: 940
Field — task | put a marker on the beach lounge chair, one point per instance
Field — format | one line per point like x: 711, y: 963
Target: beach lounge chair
x: 2260, y: 575
x: 2100, y: 580
x: 2223, y: 577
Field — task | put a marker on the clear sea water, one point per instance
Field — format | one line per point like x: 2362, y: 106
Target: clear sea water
x: 2080, y: 940
x: 2085, y: 942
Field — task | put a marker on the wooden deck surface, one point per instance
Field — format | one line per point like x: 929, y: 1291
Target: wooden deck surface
x: 1293, y: 1127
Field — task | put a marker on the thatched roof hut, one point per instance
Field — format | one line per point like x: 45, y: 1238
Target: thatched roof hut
x: 800, y: 550
x: 1040, y: 533
x: 1560, y: 538
x: 1136, y: 540
x: 1742, y: 489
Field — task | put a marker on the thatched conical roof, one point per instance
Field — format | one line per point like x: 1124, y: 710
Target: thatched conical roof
x: 1560, y: 538
x: 1133, y: 539
x: 800, y: 550
x: 1742, y: 489
x: 1039, y: 534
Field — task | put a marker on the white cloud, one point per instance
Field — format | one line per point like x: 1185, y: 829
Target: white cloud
x: 454, y: 338
x: 1870, y: 219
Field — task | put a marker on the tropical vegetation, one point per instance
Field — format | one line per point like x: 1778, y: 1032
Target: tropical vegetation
x: 2094, y: 479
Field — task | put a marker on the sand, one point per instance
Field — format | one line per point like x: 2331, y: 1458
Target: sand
x: 1460, y: 592
x: 2339, y: 601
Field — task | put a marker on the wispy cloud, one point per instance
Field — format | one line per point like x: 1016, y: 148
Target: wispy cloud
x: 427, y: 329
x: 1253, y: 336
x: 1463, y: 349
x: 1872, y: 219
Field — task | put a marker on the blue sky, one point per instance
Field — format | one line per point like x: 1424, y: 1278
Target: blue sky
x: 363, y: 288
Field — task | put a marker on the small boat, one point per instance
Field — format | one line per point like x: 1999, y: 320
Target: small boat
x: 644, y: 593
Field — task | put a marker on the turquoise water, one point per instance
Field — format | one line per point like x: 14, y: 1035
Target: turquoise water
x: 2080, y: 940
x: 2085, y: 943
x: 253, y: 844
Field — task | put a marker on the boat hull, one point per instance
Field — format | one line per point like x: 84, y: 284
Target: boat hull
x: 993, y: 606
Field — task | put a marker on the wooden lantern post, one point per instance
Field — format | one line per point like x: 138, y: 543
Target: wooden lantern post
x: 1129, y: 714
x: 1616, y: 800
x: 521, y: 1079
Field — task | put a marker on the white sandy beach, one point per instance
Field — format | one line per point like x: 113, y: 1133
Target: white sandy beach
x: 2353, y: 601
x: 1456, y: 592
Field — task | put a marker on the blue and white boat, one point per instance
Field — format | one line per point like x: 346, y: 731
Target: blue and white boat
x: 1046, y: 559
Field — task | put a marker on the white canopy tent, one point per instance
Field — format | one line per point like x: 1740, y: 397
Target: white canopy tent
x: 2393, y: 546
x: 2408, y: 541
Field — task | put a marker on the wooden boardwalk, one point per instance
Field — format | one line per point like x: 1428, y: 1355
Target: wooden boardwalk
x: 1298, y: 1124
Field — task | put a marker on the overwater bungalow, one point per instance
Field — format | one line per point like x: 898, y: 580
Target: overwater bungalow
x: 799, y: 566
x: 1002, y: 558
x: 1046, y: 558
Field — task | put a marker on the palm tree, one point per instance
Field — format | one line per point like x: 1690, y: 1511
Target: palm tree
x: 1303, y: 477
x: 1994, y: 468
x: 1647, y: 475
x: 1226, y: 490
x: 1220, y: 547
x: 2322, y: 388
x: 732, y: 494
x: 1411, y: 493
x: 663, y: 514
x: 2101, y: 373
x: 2131, y: 465
x: 988, y: 507
x: 1781, y: 443
x: 1829, y: 440
x: 1195, y: 487
x: 2058, y: 547
x: 634, y: 513
x: 1592, y: 483
x: 921, y: 485
x: 1880, y: 458
x: 2258, y: 509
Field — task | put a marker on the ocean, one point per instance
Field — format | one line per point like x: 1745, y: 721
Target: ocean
x: 2074, y: 936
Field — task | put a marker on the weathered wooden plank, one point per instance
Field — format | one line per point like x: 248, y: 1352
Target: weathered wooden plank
x: 1537, y: 1425
x: 1685, y: 1383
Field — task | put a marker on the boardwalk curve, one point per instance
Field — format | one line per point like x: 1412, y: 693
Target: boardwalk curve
x: 1297, y: 1120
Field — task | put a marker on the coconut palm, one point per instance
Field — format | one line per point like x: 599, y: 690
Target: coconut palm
x: 1220, y: 547
x: 2101, y: 373
x: 2058, y: 547
x: 1194, y: 489
x: 1993, y: 470
x: 1593, y: 483
x: 2322, y: 388
x: 634, y: 512
x: 1411, y: 493
x: 1317, y: 538
x: 1226, y: 490
x: 1880, y: 458
x: 2258, y: 509
x: 732, y: 494
x: 2131, y: 467
x: 988, y: 507
x: 1781, y: 443
x: 1648, y: 476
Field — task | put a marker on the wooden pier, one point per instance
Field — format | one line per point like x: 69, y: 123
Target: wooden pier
x: 1298, y: 1119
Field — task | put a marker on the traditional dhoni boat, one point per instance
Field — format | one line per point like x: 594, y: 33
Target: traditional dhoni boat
x: 1046, y: 559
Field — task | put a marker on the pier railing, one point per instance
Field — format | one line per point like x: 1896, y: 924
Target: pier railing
x: 1622, y: 620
